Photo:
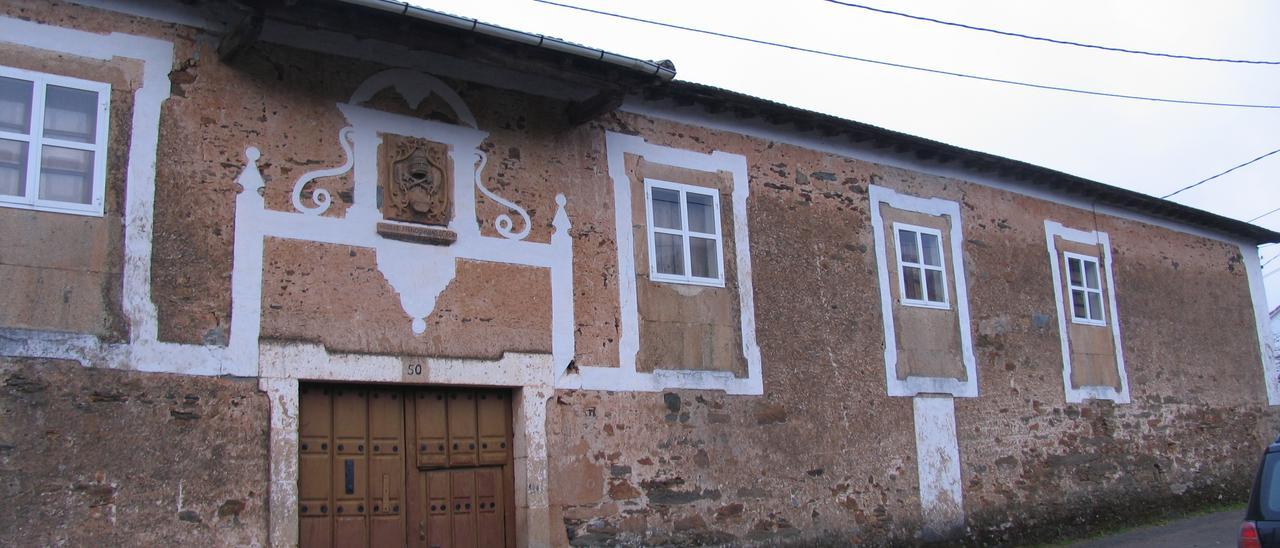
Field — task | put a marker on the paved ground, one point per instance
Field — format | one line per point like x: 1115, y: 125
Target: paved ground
x: 1218, y: 529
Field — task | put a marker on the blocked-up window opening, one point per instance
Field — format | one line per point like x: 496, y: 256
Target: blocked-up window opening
x: 1086, y: 289
x: 52, y: 142
x: 920, y: 260
x: 684, y: 233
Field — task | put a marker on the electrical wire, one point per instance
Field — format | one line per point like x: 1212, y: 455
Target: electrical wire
x: 1263, y: 215
x: 1052, y: 40
x: 1203, y: 181
x: 911, y: 67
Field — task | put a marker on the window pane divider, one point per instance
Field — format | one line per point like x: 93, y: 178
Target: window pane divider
x: 685, y: 233
x: 945, y: 303
x: 1085, y: 261
x: 36, y: 141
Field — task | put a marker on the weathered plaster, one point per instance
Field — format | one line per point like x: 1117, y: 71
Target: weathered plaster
x: 954, y: 263
x: 938, y: 463
x: 626, y: 377
x: 1074, y: 394
x: 1270, y: 369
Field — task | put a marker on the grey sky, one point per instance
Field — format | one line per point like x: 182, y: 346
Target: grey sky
x: 1147, y: 147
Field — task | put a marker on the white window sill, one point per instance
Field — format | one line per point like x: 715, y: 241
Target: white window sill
x: 71, y: 209
x: 1084, y: 321
x: 925, y: 304
x: 706, y: 282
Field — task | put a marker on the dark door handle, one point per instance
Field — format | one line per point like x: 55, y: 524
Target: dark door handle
x: 350, y: 466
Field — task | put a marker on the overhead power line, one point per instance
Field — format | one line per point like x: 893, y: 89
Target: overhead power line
x: 1263, y: 215
x: 1054, y: 40
x: 912, y: 67
x: 1203, y: 181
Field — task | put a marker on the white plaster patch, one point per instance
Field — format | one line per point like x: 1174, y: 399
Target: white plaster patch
x: 1270, y: 369
x: 418, y: 273
x: 1093, y: 238
x: 913, y: 385
x: 938, y: 465
x: 625, y: 377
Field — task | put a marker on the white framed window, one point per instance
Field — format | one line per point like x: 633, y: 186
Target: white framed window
x: 684, y: 233
x: 1085, y: 285
x: 53, y: 142
x: 922, y: 278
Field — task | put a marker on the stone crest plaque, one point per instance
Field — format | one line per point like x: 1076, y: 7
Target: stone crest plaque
x: 416, y: 181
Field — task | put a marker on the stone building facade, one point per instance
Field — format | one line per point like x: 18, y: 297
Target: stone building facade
x: 347, y: 274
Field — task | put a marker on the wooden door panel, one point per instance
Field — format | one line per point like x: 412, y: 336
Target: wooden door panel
x: 462, y: 502
x: 350, y: 466
x: 315, y: 437
x: 490, y: 529
x: 462, y: 428
x: 378, y: 467
x: 386, y: 468
x: 491, y: 421
x: 432, y: 429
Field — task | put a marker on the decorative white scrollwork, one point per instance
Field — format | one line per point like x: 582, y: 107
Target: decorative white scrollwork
x: 321, y: 196
x: 503, y: 222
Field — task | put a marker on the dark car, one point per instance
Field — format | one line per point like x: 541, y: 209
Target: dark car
x: 1261, y: 527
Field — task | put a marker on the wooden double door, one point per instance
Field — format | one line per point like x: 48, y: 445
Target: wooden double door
x: 392, y: 466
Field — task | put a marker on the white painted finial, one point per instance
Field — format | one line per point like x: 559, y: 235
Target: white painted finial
x: 250, y: 179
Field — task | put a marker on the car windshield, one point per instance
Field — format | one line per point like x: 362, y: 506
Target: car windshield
x: 1269, y: 488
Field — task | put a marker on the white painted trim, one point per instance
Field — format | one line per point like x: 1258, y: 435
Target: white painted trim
x: 945, y: 303
x: 939, y: 208
x: 1094, y: 238
x: 145, y: 352
x: 1085, y: 260
x: 625, y: 377
x: 696, y: 116
x: 938, y: 466
x: 418, y: 273
x: 684, y: 232
x: 1270, y: 369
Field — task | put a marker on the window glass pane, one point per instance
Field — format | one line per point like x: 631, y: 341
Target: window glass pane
x: 668, y: 250
x: 1095, y: 305
x: 1073, y: 271
x: 15, y: 105
x: 666, y: 208
x: 702, y: 217
x: 66, y: 175
x: 933, y: 284
x: 931, y: 248
x: 13, y: 168
x: 911, y: 283
x: 1091, y: 275
x: 702, y: 256
x: 907, y: 247
x: 1078, y: 304
x: 70, y: 114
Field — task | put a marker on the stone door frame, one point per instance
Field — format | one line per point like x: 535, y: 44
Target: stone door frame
x: 285, y: 365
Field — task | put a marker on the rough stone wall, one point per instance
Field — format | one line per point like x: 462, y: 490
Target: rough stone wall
x: 824, y: 454
x: 97, y: 457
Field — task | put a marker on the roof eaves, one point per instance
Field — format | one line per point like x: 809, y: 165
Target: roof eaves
x: 717, y: 99
x: 662, y: 70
